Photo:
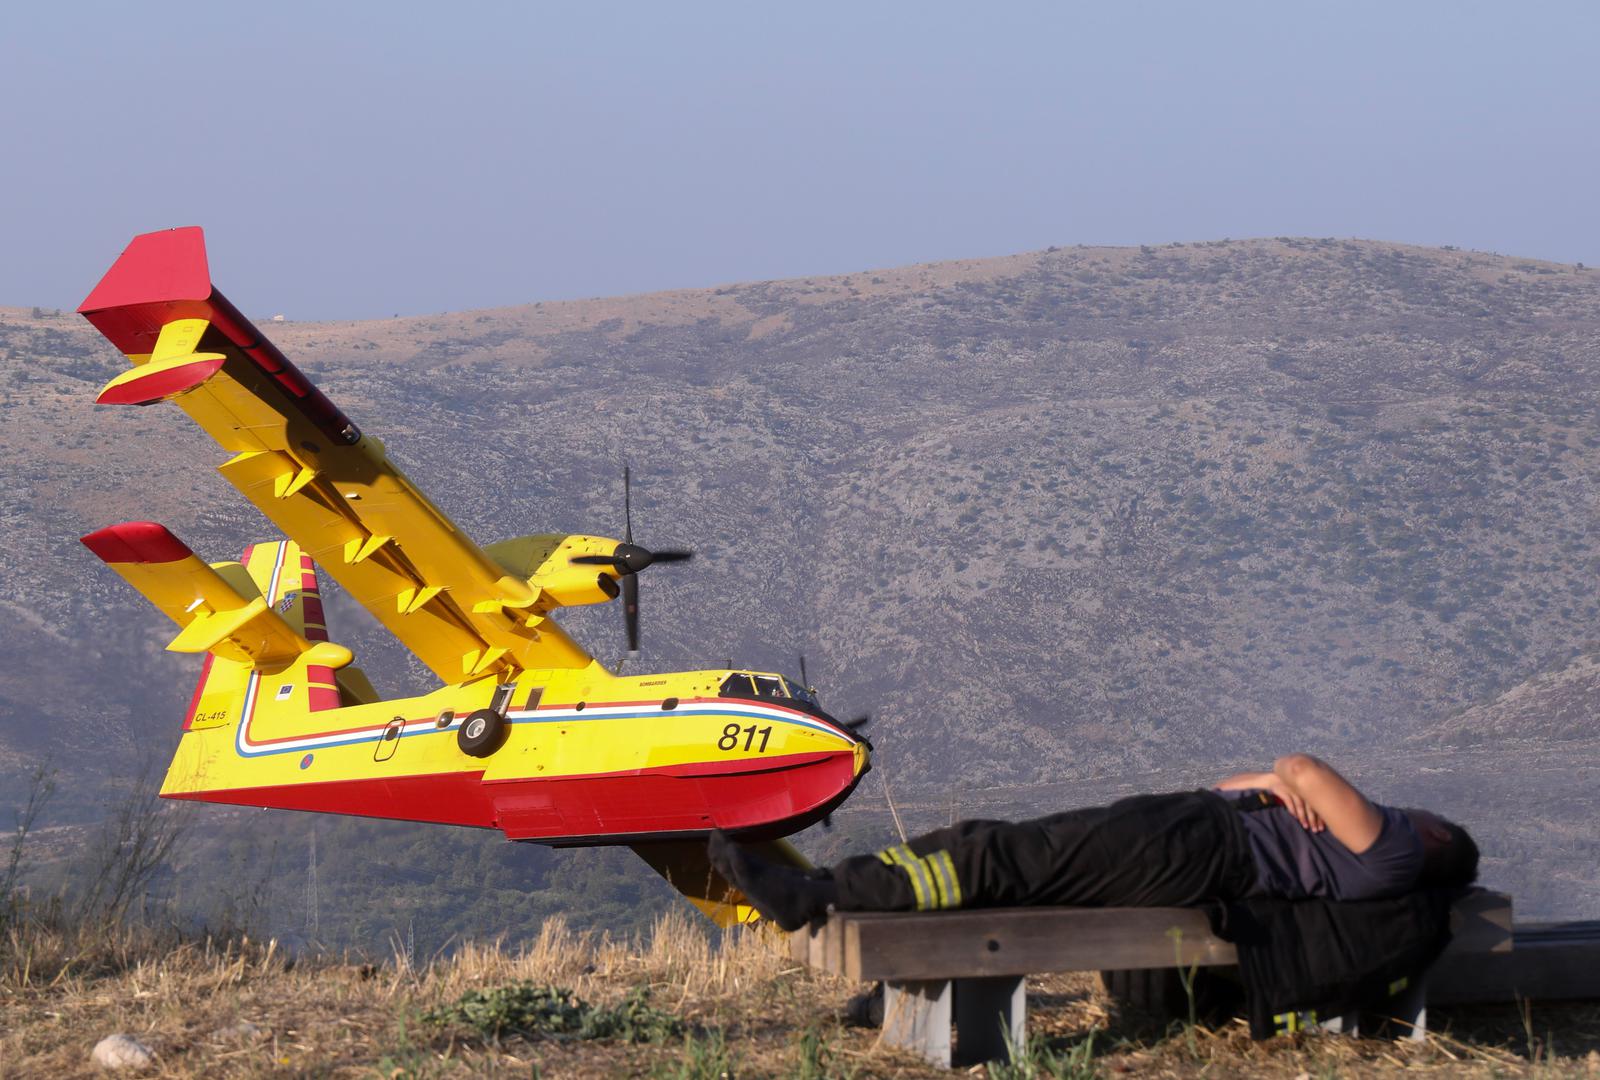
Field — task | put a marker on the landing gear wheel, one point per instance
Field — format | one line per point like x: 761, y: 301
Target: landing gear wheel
x: 481, y: 733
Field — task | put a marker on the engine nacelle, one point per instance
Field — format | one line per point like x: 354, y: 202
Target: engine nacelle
x: 544, y: 560
x: 576, y: 585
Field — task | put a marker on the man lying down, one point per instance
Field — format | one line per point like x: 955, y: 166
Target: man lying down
x: 1301, y: 831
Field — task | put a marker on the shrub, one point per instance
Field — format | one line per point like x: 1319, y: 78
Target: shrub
x: 531, y: 1010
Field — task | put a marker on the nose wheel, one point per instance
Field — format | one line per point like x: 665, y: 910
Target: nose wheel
x: 481, y: 733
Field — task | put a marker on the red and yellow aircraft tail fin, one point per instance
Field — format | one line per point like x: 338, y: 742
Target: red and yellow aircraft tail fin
x: 220, y: 608
x: 286, y: 578
x: 262, y: 616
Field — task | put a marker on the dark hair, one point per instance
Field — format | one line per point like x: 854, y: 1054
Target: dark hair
x: 1450, y: 865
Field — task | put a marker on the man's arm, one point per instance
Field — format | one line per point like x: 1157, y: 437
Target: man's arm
x: 1352, y: 819
x: 1280, y: 789
x: 1245, y: 781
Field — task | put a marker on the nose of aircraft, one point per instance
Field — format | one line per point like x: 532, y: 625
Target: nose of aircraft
x: 863, y: 759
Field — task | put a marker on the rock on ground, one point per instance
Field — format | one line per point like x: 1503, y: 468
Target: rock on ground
x: 122, y: 1052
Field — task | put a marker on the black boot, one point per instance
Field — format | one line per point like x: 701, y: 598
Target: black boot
x: 786, y: 895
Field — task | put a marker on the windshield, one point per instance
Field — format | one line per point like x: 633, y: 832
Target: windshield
x: 769, y: 686
x: 738, y: 685
x: 777, y: 687
x: 800, y: 692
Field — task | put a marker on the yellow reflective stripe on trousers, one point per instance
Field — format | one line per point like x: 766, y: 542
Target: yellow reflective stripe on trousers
x: 933, y: 876
x: 921, y: 883
x: 940, y: 889
x: 925, y: 862
x: 945, y: 867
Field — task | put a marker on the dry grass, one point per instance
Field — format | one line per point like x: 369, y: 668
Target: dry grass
x: 62, y: 989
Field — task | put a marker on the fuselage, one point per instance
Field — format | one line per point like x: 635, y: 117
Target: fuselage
x: 588, y: 757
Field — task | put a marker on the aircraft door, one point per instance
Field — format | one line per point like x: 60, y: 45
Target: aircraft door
x: 390, y: 741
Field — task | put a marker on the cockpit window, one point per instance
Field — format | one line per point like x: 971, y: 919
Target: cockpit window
x: 776, y: 687
x: 800, y: 692
x: 737, y: 685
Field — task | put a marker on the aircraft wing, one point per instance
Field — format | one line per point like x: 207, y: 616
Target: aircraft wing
x: 687, y: 868
x: 311, y: 471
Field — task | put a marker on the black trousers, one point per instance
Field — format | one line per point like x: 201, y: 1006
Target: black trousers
x: 1147, y: 850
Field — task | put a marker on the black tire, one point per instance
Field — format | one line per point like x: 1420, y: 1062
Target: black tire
x: 481, y: 733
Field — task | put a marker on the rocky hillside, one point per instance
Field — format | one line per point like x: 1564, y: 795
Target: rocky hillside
x: 1074, y: 513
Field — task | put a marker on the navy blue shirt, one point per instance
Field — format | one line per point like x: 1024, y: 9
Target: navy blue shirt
x: 1296, y: 864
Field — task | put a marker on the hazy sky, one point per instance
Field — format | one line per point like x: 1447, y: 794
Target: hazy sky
x: 352, y: 160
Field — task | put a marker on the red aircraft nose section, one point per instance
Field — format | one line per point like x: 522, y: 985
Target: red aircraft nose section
x: 772, y: 797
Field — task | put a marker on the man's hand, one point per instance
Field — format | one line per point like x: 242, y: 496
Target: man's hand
x: 1294, y: 802
x: 1330, y: 798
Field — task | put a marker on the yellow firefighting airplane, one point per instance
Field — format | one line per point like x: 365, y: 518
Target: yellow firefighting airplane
x: 528, y: 734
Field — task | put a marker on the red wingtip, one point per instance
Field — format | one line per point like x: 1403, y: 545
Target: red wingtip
x: 155, y: 268
x: 136, y: 542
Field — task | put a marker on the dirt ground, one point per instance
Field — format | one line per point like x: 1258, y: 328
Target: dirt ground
x: 242, y: 1009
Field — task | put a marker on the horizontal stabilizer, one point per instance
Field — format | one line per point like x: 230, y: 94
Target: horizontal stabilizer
x: 217, y: 608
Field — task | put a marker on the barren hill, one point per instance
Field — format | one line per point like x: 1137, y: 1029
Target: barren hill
x: 1554, y: 706
x: 1073, y: 513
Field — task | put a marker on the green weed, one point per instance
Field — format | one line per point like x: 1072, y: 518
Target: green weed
x: 404, y: 1059
x: 532, y: 1010
x: 1035, y: 1059
x: 635, y: 1021
x: 816, y: 1060
x: 1186, y: 975
x: 706, y: 1058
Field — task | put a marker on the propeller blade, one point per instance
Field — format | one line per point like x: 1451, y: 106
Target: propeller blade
x: 630, y: 610
x: 631, y: 558
x: 804, y: 680
x: 627, y: 503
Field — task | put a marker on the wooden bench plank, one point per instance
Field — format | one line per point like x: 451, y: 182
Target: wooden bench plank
x: 1024, y: 941
x: 820, y: 947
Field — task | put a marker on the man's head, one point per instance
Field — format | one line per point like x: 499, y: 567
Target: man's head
x: 1449, y: 854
